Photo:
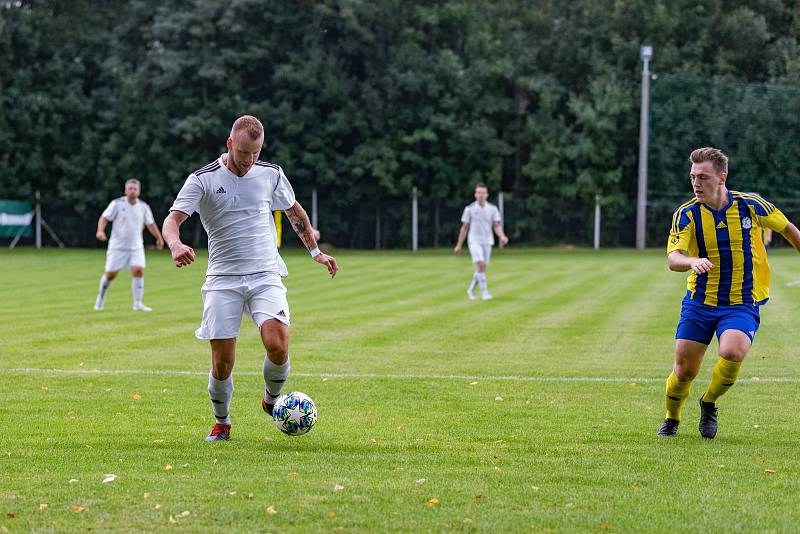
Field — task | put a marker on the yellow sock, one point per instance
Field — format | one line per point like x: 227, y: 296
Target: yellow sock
x: 677, y: 392
x: 722, y: 378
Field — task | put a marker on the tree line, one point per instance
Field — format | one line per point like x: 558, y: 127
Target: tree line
x: 364, y: 100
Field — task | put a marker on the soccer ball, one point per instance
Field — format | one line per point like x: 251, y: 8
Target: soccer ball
x: 295, y: 413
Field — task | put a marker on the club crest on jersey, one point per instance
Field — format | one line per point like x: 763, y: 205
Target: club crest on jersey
x: 747, y: 223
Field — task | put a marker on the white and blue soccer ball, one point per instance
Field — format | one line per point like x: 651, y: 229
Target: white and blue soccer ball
x: 295, y: 413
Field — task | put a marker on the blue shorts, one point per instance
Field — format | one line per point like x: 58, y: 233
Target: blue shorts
x: 699, y: 322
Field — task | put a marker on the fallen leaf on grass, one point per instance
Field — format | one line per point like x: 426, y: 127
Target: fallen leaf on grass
x: 373, y: 441
x: 185, y: 465
x: 420, y: 481
x: 606, y: 526
x: 109, y: 478
x: 271, y: 509
x: 146, y: 495
x: 432, y: 502
x: 498, y: 398
x: 249, y: 495
x: 73, y: 481
x: 770, y: 471
x: 172, y: 520
x: 3, y: 528
x: 137, y: 397
x: 44, y: 506
x: 338, y: 487
x: 231, y: 493
x: 167, y: 468
x: 473, y: 383
x: 158, y: 506
x: 293, y: 474
x: 158, y: 441
x: 214, y: 461
x: 331, y: 514
x: 77, y: 509
x: 11, y: 515
x: 480, y: 497
x: 467, y: 521
x: 630, y: 385
x: 185, y: 513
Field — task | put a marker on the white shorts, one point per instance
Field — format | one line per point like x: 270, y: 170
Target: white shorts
x: 480, y: 253
x: 123, y: 258
x: 225, y: 298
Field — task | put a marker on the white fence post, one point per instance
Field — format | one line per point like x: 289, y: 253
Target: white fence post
x: 414, y: 220
x: 597, y: 222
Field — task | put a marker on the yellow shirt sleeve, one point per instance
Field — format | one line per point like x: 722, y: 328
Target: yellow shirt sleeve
x: 775, y: 221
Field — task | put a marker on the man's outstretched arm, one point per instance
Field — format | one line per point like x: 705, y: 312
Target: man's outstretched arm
x: 181, y: 254
x: 792, y: 235
x: 302, y: 225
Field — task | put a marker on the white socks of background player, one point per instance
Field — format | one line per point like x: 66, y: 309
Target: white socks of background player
x: 137, y: 286
x: 473, y: 283
x: 481, y: 277
x: 220, y: 392
x: 101, y: 292
x: 274, y: 377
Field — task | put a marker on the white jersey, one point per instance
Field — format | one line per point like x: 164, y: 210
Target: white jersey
x: 236, y: 212
x: 481, y: 222
x: 128, y: 221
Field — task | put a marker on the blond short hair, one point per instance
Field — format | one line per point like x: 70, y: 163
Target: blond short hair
x: 714, y: 155
x: 250, y: 124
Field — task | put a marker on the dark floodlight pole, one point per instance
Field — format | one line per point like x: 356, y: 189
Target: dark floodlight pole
x: 646, y: 53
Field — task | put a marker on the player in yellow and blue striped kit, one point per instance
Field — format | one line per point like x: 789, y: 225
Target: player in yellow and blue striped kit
x: 718, y: 237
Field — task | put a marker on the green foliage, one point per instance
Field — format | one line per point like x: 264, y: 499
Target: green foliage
x: 363, y: 101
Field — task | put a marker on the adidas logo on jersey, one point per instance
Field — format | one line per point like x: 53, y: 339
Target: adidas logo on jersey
x: 721, y: 225
x: 281, y: 314
x: 221, y: 190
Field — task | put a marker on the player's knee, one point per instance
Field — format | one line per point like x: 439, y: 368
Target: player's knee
x: 685, y: 373
x: 278, y: 352
x: 137, y: 272
x: 481, y: 266
x: 111, y: 275
x: 221, y: 370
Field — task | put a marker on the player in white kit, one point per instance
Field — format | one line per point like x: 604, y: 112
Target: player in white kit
x: 479, y: 220
x: 235, y: 196
x: 129, y: 215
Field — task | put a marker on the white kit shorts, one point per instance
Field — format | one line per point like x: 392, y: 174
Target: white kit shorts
x: 124, y: 258
x: 261, y: 296
x: 480, y: 253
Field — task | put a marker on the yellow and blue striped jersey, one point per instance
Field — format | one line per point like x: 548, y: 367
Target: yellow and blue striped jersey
x: 731, y: 238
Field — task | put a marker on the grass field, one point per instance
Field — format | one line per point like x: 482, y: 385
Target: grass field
x: 533, y: 412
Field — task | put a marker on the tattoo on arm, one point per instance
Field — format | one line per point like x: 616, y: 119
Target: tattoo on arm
x: 299, y: 219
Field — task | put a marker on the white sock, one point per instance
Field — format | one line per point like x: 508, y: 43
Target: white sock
x: 274, y: 377
x: 137, y: 286
x: 104, y: 285
x: 474, y: 281
x: 482, y: 281
x: 220, y: 392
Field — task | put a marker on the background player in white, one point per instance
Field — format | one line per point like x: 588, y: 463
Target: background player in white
x: 129, y: 215
x: 235, y: 196
x: 479, y: 219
